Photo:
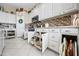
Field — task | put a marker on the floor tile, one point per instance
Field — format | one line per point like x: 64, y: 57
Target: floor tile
x: 21, y: 47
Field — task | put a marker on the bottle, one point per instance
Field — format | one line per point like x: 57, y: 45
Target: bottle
x: 70, y: 51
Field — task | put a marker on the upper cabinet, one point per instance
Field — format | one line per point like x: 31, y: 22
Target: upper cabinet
x: 27, y: 18
x: 43, y: 10
x: 68, y: 7
x: 34, y: 12
x: 7, y: 18
x: 57, y: 9
x: 12, y: 18
x: 62, y: 8
x: 47, y: 10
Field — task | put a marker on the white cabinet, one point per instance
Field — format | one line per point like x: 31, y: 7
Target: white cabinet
x: 30, y: 35
x: 3, y: 17
x: 54, y: 39
x: 62, y: 8
x: 54, y: 46
x: 44, y: 41
x: 54, y: 36
x: 34, y: 12
x: 1, y: 41
x: 68, y: 7
x: 45, y: 11
x: 1, y: 45
x: 29, y: 19
x: 12, y: 19
x: 7, y: 18
x: 57, y: 9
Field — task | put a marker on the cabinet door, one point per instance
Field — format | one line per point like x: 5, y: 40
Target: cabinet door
x: 1, y: 42
x: 54, y: 41
x: 6, y: 18
x: 1, y: 17
x: 29, y: 19
x: 12, y: 18
x: 0, y: 46
x: 45, y: 10
x: 57, y: 9
x: 54, y: 46
x: 54, y: 36
x: 44, y: 42
x: 48, y: 12
x: 30, y: 35
x: 42, y: 10
x: 61, y: 8
x: 68, y: 7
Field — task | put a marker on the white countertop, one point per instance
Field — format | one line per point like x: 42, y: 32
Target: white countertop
x: 59, y: 27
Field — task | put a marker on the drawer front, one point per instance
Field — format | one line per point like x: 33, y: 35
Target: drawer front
x: 69, y: 30
x: 54, y: 30
x: 54, y: 36
x: 42, y: 30
x: 54, y: 46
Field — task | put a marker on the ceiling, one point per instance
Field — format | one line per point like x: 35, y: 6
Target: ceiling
x: 27, y: 6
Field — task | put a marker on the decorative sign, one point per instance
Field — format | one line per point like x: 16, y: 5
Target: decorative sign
x: 20, y: 21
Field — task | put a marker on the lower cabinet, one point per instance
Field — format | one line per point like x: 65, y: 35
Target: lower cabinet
x: 53, y: 45
x: 1, y: 41
x: 44, y: 42
x: 54, y: 41
x: 51, y: 38
x: 30, y: 35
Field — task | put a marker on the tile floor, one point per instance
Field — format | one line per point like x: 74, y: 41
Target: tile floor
x: 20, y: 47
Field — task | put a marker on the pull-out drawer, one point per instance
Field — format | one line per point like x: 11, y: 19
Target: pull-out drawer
x: 69, y: 31
x: 54, y: 46
x: 54, y: 30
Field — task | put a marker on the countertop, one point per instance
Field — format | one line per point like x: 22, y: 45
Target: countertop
x: 58, y: 27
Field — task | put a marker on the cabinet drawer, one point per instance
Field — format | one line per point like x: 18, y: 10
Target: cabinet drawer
x: 54, y: 36
x: 55, y: 30
x: 70, y: 30
x: 54, y: 46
